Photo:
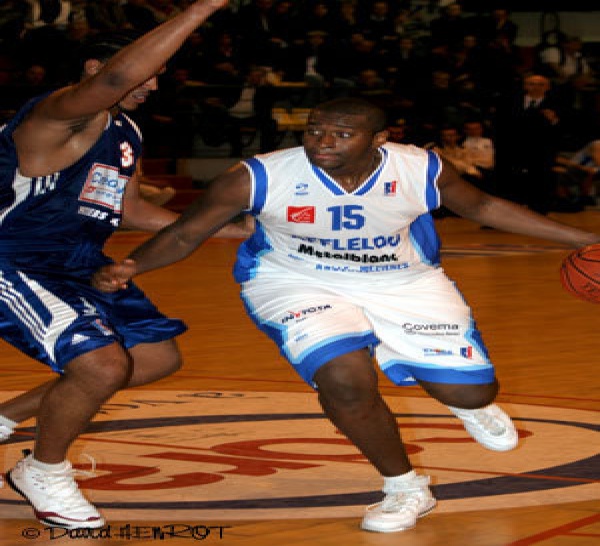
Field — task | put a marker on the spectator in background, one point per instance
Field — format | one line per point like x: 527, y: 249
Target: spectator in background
x: 577, y: 176
x: 48, y: 13
x: 450, y: 27
x: 580, y: 105
x: 481, y: 153
x: 498, y: 73
x: 320, y: 17
x: 450, y: 148
x: 310, y: 61
x: 139, y: 15
x: 528, y: 133
x: 403, y: 66
x: 346, y: 20
x: 565, y: 60
x: 249, y: 106
x: 225, y: 60
x: 498, y: 23
x: 378, y: 24
x: 12, y: 23
x: 106, y: 16
x: 45, y: 41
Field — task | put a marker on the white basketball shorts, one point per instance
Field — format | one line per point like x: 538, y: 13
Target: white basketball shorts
x: 421, y: 330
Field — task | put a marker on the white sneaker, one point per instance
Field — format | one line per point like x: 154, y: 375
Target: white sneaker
x: 400, y: 508
x: 5, y: 432
x: 490, y: 426
x: 54, y: 496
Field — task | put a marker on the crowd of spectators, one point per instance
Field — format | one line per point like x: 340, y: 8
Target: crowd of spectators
x: 436, y: 70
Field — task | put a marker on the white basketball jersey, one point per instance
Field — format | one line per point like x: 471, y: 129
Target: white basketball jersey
x: 307, y: 224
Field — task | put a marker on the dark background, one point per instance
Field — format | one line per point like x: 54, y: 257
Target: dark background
x: 532, y: 5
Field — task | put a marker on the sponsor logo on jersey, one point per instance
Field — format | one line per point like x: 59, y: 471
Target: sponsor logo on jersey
x: 389, y: 188
x: 431, y: 329
x: 300, y: 315
x: 301, y: 215
x: 104, y: 186
x: 301, y: 188
x: 437, y: 352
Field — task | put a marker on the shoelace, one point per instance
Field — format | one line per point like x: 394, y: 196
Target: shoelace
x: 62, y: 487
x: 489, y: 423
x: 395, y: 502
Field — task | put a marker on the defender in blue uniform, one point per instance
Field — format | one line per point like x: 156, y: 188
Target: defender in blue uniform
x: 343, y: 263
x: 67, y: 181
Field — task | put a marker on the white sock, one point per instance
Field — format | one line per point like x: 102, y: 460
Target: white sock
x: 49, y: 467
x: 392, y: 483
x: 8, y: 422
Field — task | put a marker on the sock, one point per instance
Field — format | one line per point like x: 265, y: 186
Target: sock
x: 8, y: 422
x: 49, y: 467
x: 392, y: 483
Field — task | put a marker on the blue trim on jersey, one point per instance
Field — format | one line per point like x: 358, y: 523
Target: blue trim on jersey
x: 327, y: 181
x: 260, y: 184
x: 432, y: 196
x: 425, y: 240
x: 373, y: 179
x: 307, y: 363
x: 249, y: 254
x: 405, y: 373
x: 334, y: 187
x: 473, y: 336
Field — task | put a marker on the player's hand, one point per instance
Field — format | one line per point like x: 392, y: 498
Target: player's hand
x: 111, y: 278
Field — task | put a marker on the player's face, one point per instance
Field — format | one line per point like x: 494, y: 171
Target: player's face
x: 337, y: 142
x: 139, y: 95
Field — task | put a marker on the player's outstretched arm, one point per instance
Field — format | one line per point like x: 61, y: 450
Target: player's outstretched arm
x: 227, y: 196
x: 471, y: 203
x: 130, y: 67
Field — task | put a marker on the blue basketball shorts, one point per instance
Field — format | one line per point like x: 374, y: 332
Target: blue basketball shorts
x: 55, y: 319
x: 421, y: 329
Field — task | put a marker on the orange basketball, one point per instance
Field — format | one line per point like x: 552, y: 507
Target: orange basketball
x: 580, y: 273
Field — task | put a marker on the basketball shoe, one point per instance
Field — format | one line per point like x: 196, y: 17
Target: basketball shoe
x: 5, y: 432
x: 54, y: 496
x: 401, y: 507
x: 489, y: 426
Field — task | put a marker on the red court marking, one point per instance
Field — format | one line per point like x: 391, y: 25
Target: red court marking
x: 463, y: 470
x: 557, y: 531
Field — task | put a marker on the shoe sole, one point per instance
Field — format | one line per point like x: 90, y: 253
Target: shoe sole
x: 399, y: 529
x: 48, y: 522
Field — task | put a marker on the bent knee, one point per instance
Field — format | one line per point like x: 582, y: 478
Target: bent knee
x: 103, y: 371
x: 346, y: 385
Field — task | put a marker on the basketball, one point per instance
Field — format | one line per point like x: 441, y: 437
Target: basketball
x: 580, y: 273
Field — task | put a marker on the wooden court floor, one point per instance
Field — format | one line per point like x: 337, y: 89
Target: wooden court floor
x: 544, y: 343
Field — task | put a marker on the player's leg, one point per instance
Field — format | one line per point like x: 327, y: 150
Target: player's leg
x: 348, y: 392
x: 473, y: 404
x: 325, y: 336
x: 349, y: 395
x: 45, y: 477
x: 429, y: 337
x: 151, y: 362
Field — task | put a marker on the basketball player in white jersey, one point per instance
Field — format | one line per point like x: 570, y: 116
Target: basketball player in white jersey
x: 344, y: 265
